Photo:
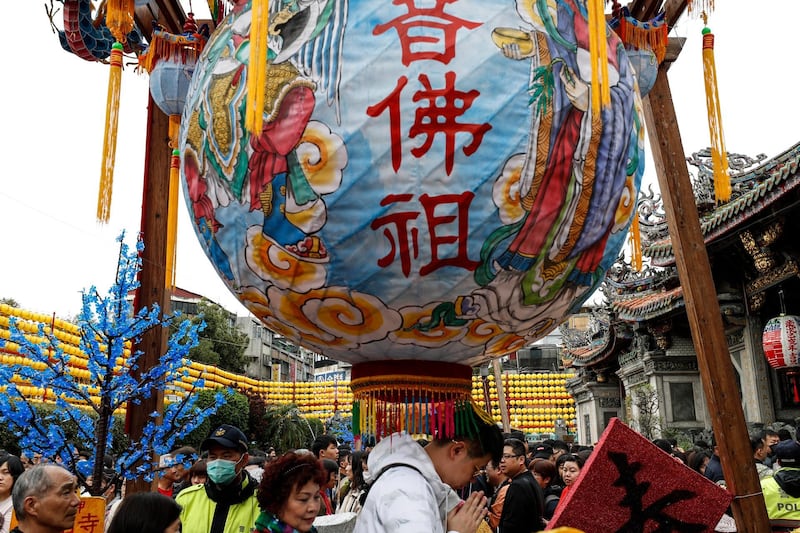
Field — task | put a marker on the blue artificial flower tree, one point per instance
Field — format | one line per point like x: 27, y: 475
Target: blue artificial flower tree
x: 108, y: 325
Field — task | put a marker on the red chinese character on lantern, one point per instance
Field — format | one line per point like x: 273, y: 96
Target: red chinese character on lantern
x: 433, y: 18
x: 431, y: 118
x: 404, y: 240
x: 461, y: 220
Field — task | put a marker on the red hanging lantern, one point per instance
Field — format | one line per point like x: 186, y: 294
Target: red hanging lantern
x: 780, y: 341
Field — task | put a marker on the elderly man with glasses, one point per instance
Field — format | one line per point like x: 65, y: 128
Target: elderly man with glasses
x: 522, y: 508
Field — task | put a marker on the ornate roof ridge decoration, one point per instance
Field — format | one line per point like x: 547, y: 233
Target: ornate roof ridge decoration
x: 621, y: 278
x: 648, y: 304
x: 593, y: 345
x: 754, y: 188
x: 599, y: 325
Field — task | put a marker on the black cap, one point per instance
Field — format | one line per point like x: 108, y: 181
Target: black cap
x: 226, y: 436
x: 787, y: 452
x: 542, y: 451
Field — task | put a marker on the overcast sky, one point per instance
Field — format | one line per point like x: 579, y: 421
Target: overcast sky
x: 52, y: 247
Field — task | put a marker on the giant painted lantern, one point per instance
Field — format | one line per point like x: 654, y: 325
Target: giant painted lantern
x: 430, y: 189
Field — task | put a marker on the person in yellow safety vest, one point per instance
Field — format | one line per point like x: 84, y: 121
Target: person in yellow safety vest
x: 226, y: 502
x: 782, y: 490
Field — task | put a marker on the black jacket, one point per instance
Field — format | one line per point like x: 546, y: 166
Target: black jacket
x: 522, y: 509
x: 552, y: 495
x: 714, y: 469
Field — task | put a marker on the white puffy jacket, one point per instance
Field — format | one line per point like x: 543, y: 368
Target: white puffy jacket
x: 404, y: 500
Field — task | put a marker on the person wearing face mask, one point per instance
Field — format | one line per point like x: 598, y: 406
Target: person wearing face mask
x: 226, y: 502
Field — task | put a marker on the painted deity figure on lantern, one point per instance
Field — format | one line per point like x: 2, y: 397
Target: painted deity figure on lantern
x: 428, y: 184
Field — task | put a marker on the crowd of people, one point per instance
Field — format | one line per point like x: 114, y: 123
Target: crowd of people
x: 485, y: 481
x: 525, y: 486
x: 224, y: 487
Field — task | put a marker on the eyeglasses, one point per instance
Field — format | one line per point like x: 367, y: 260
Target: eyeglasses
x: 508, y: 456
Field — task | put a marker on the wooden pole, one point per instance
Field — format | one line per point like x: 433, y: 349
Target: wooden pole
x: 152, y: 277
x: 501, y: 395
x: 702, y: 308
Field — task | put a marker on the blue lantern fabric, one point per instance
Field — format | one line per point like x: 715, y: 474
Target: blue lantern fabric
x: 169, y: 83
x: 430, y: 182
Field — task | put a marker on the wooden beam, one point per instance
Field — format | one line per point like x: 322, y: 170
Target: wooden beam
x: 674, y: 10
x: 674, y: 49
x: 501, y: 396
x: 644, y: 9
x: 647, y: 9
x: 702, y: 308
x: 168, y: 14
x: 152, y: 277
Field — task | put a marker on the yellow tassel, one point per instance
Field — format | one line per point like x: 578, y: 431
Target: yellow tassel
x: 705, y: 6
x: 719, y: 158
x: 119, y: 18
x: 257, y: 66
x: 110, y: 136
x: 598, y: 54
x: 636, y: 244
x: 172, y: 210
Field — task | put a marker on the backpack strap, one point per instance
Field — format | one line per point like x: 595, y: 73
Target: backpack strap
x: 363, y: 497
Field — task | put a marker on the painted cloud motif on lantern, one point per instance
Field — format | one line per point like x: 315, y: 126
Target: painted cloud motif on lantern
x: 430, y: 181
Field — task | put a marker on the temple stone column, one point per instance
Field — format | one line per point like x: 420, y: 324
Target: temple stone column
x: 595, y: 405
x: 757, y: 398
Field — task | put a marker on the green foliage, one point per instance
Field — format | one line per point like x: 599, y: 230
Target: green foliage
x: 8, y: 441
x: 286, y: 429
x: 642, y: 411
x: 316, y: 427
x: 235, y: 410
x: 221, y: 344
x: 258, y: 408
x: 11, y: 302
x: 685, y: 440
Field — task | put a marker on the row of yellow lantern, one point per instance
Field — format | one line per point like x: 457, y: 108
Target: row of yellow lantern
x: 532, y: 377
x: 29, y: 323
x: 539, y: 410
x: 24, y: 314
x: 542, y: 386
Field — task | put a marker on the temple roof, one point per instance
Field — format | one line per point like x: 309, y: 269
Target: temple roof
x: 637, y: 296
x: 753, y: 191
x: 648, y: 304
